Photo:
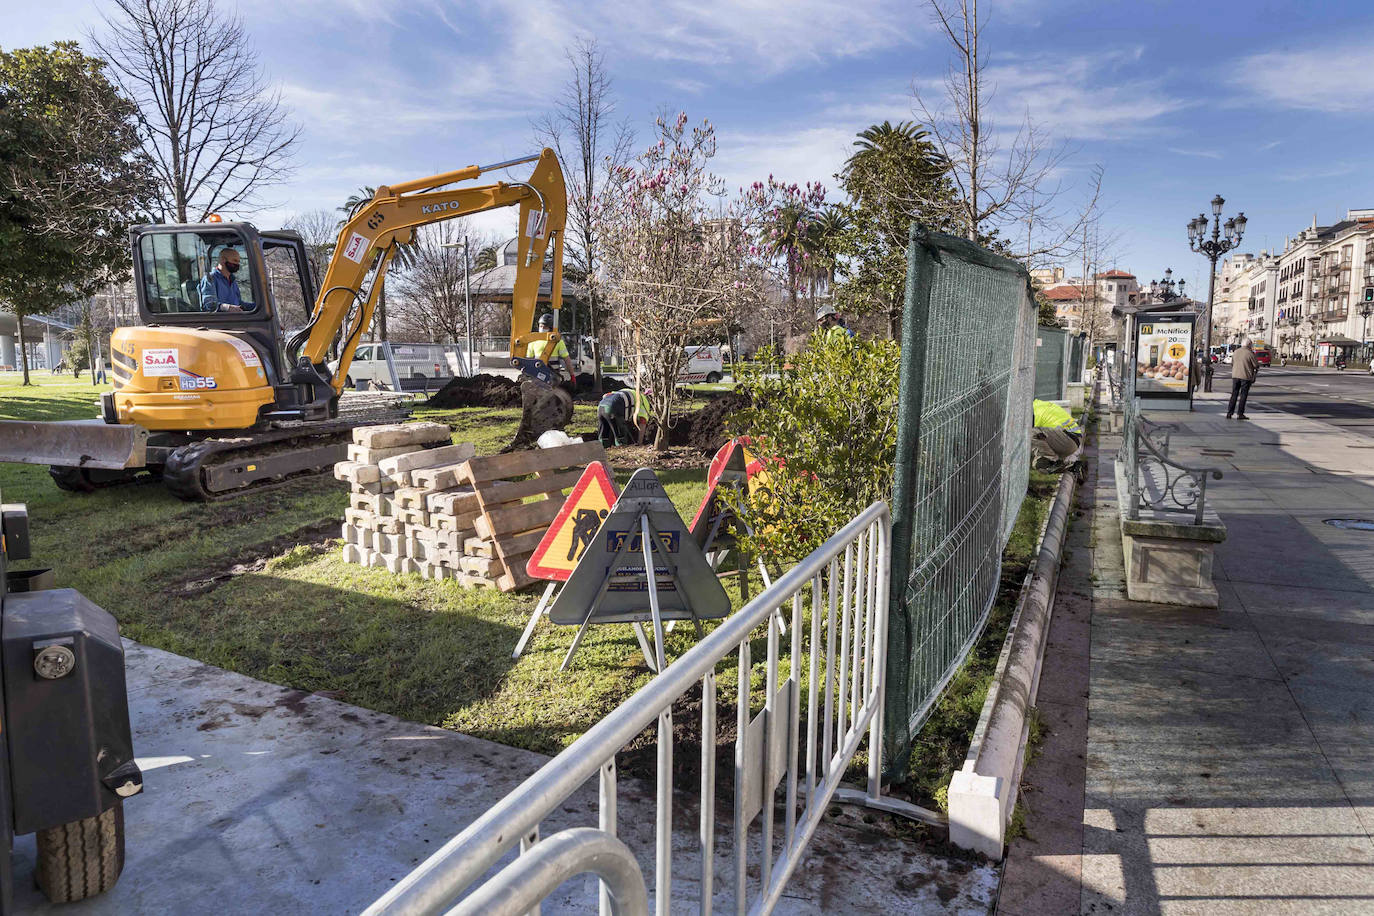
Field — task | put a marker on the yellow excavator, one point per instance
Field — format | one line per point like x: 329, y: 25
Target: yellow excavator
x: 213, y: 397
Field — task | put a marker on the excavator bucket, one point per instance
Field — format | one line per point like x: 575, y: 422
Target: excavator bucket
x: 542, y: 408
x: 74, y: 443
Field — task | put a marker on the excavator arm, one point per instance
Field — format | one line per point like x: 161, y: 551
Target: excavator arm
x: 390, y: 219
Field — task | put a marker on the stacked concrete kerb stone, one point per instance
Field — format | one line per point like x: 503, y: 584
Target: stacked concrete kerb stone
x: 407, y: 513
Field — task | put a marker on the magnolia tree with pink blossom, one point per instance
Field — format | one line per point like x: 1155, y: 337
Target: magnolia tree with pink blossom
x: 780, y: 219
x: 676, y: 262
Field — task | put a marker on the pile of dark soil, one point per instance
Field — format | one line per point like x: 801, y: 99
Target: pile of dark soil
x: 706, y: 429
x: 477, y: 391
x: 498, y: 391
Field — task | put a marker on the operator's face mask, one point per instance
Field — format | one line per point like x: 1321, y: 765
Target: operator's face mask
x: 231, y: 268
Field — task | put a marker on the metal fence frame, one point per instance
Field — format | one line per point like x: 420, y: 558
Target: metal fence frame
x: 1154, y: 480
x: 948, y: 542
x: 844, y: 655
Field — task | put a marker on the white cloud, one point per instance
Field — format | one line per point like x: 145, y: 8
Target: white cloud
x: 769, y: 36
x: 1200, y: 153
x: 1333, y: 78
x: 802, y: 154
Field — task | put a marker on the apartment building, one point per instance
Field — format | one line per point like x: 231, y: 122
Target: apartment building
x: 1321, y: 312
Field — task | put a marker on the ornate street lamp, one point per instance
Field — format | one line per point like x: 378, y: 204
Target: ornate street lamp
x: 1164, y: 290
x: 1213, y: 249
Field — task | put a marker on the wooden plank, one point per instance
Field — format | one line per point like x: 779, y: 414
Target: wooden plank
x: 519, y: 464
x: 503, y: 491
x: 514, y: 545
x: 515, y: 576
x: 513, y: 520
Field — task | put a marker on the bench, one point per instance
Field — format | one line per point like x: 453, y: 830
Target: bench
x: 1168, y: 533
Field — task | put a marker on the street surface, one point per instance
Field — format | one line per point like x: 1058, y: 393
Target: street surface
x: 1342, y: 399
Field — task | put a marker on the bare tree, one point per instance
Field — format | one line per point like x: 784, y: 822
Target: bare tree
x: 319, y: 231
x: 590, y: 146
x: 429, y: 302
x: 214, y: 130
x: 998, y: 186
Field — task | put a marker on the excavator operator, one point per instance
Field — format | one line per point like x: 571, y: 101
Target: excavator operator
x: 219, y: 291
x: 559, y: 359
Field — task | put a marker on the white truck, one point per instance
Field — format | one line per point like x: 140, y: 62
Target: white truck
x: 405, y: 366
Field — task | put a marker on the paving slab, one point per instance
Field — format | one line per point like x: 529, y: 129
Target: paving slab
x: 263, y: 799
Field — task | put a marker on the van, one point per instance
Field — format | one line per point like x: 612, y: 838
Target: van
x: 704, y: 364
x: 417, y: 365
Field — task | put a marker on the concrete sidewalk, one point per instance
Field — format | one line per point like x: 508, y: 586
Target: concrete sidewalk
x: 263, y: 799
x: 1214, y: 761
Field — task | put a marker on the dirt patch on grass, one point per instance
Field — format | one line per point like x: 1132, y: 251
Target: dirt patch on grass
x: 482, y: 390
x: 315, y: 538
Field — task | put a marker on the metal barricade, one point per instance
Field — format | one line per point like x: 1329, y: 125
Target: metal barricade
x: 812, y: 723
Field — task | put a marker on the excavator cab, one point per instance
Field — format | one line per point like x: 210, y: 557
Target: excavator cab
x: 206, y: 329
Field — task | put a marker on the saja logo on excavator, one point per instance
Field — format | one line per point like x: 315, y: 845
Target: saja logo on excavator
x: 160, y: 361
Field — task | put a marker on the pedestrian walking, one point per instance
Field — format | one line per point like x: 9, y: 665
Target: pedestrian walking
x: 1244, y: 370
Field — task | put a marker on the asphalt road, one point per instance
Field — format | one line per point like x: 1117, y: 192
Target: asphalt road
x: 1344, y: 399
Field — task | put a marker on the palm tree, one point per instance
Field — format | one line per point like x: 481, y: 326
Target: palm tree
x: 787, y: 240
x: 402, y: 255
x: 486, y: 258
x: 823, y: 241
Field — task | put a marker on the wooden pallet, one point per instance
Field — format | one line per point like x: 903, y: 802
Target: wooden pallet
x: 519, y: 495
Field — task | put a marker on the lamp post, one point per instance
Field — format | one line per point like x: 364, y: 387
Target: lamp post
x: 467, y: 297
x: 1293, y: 322
x: 1213, y: 249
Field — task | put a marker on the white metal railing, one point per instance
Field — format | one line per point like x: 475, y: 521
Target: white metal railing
x: 836, y: 667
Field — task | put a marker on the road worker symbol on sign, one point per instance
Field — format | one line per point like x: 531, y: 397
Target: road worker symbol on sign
x: 575, y: 527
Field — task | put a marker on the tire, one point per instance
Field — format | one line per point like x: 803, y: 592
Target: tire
x: 349, y: 383
x: 713, y: 377
x: 83, y: 858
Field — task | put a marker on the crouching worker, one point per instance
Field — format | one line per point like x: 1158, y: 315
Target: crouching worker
x: 621, y: 418
x: 1055, y: 439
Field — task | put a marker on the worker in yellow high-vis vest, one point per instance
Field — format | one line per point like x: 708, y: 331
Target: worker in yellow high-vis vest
x: 1055, y: 438
x: 829, y: 325
x: 558, y: 360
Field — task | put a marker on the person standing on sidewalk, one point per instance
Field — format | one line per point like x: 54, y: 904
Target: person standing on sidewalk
x: 1244, y: 369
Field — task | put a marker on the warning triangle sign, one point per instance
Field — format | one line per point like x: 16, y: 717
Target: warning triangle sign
x: 575, y: 527
x: 611, y: 583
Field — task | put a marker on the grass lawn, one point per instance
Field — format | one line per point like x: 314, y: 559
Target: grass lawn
x: 256, y: 584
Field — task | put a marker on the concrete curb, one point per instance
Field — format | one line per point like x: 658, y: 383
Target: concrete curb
x: 982, y: 795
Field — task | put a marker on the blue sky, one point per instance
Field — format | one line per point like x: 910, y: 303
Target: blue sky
x: 1266, y: 103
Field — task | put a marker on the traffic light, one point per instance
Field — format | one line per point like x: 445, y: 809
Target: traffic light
x: 1369, y: 294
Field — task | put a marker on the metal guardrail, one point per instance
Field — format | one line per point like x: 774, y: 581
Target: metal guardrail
x: 1154, y: 480
x: 836, y: 670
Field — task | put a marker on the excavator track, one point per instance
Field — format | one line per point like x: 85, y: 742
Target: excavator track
x: 212, y: 469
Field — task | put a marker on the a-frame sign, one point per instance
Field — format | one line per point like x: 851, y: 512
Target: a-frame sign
x: 643, y: 565
x: 567, y: 538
